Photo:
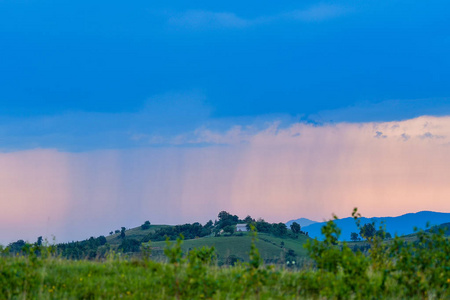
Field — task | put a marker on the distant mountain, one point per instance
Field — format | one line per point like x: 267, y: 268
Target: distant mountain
x: 302, y: 221
x: 400, y: 225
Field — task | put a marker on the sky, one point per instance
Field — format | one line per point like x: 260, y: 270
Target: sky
x: 113, y: 113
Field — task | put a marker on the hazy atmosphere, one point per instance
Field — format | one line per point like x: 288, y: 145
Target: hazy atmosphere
x: 114, y: 113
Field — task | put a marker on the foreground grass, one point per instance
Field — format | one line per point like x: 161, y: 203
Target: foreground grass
x: 118, y: 279
x: 394, y: 270
x: 195, y: 276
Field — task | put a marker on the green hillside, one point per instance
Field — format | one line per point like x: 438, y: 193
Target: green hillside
x: 272, y: 249
x: 133, y: 233
x: 275, y: 242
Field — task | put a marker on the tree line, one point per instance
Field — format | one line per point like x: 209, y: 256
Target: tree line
x: 224, y: 225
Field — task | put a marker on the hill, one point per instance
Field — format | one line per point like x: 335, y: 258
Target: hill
x: 401, y: 225
x: 272, y: 249
x: 302, y: 221
x: 133, y: 233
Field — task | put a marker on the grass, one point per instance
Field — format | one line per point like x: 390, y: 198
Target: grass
x: 197, y: 277
x: 269, y: 246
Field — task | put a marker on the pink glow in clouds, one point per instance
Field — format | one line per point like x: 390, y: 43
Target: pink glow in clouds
x: 278, y: 174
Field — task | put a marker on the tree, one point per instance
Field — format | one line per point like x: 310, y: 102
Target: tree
x: 122, y: 233
x: 381, y: 233
x: 279, y: 229
x: 39, y: 241
x: 117, y: 231
x: 249, y: 220
x: 16, y: 247
x: 146, y: 225
x: 206, y: 229
x: 229, y: 229
x: 263, y: 226
x: 209, y: 224
x: 354, y: 236
x: 368, y: 231
x: 101, y: 240
x: 295, y: 227
x: 130, y: 245
x: 111, y: 233
x: 226, y: 219
x: 223, y: 215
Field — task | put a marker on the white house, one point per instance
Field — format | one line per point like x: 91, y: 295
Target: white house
x: 241, y: 227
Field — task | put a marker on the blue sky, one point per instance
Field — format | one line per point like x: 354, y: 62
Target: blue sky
x: 307, y: 60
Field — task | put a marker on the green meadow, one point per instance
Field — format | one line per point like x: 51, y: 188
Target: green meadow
x: 416, y: 268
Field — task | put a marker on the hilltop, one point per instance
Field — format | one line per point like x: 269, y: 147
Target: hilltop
x: 303, y: 222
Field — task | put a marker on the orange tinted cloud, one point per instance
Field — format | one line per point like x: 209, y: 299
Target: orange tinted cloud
x: 308, y: 171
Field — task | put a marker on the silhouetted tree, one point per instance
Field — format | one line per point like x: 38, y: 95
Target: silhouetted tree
x: 279, y: 229
x: 367, y: 231
x: 146, y: 225
x: 354, y: 236
x: 226, y: 219
x: 249, y: 220
x: 383, y: 234
x: 16, y: 247
x: 189, y: 231
x: 122, y: 233
x: 263, y: 226
x: 101, y: 240
x: 295, y: 227
x: 223, y: 215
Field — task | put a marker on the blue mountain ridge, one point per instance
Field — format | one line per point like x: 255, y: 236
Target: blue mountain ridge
x: 400, y: 225
x: 302, y: 221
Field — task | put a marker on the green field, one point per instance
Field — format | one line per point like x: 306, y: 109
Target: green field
x: 270, y: 247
